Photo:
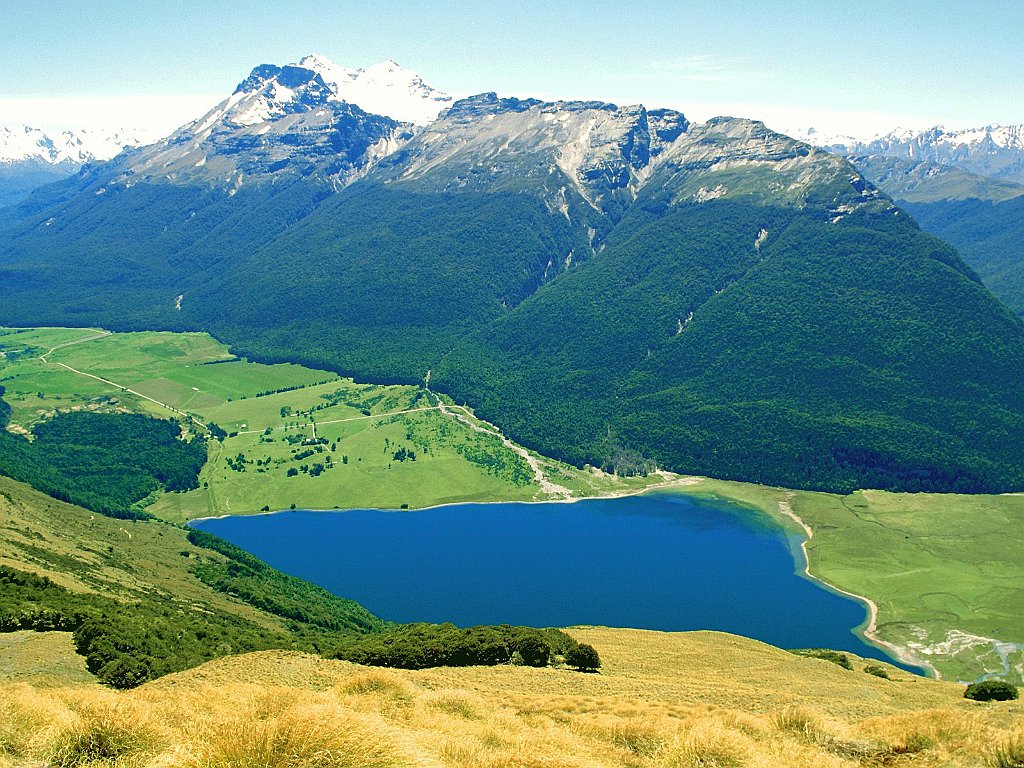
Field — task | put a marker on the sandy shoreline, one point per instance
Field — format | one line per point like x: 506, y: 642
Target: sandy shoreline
x: 869, y: 631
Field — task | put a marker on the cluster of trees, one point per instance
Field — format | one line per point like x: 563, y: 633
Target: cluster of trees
x: 250, y: 579
x: 126, y: 644
x: 419, y: 646
x: 104, y: 462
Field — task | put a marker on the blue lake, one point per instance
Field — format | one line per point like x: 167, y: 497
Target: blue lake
x: 658, y: 561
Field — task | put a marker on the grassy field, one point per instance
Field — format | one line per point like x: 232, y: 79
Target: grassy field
x: 686, y: 700
x: 945, y: 571
x: 296, y: 436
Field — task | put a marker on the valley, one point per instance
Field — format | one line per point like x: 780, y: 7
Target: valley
x: 918, y: 557
x: 292, y: 435
x: 347, y: 421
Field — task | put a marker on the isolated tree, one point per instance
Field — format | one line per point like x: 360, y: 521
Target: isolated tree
x: 991, y: 690
x: 583, y: 657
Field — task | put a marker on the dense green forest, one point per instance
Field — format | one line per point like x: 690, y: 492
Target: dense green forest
x: 989, y: 236
x: 103, y: 462
x: 127, y: 643
x: 834, y: 357
x: 256, y: 583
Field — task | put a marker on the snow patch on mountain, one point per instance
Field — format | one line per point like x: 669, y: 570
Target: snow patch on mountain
x: 382, y: 89
x: 1001, y: 136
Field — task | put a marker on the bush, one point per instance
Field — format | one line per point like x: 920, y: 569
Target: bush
x: 583, y: 657
x: 533, y: 651
x: 877, y: 671
x: 419, y: 646
x: 991, y: 690
x: 840, y: 659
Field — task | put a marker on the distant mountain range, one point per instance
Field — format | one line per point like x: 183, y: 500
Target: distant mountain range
x: 611, y: 285
x: 30, y: 157
x: 994, y: 151
x: 965, y: 186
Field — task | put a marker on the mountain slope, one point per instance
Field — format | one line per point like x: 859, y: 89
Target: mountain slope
x: 982, y: 217
x: 613, y: 285
x: 143, y: 598
x: 738, y: 337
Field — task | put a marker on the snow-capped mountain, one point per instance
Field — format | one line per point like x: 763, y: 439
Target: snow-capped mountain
x: 996, y: 151
x: 280, y: 122
x: 24, y: 142
x: 31, y: 157
x: 382, y: 89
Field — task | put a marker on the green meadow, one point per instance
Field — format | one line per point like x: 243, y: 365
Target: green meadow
x: 291, y: 435
x: 944, y: 570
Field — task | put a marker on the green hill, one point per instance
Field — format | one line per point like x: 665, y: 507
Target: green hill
x: 143, y: 599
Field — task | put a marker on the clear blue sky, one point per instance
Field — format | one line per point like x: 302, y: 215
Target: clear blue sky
x: 913, y: 61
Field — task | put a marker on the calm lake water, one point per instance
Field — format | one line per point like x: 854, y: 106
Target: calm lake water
x: 658, y: 561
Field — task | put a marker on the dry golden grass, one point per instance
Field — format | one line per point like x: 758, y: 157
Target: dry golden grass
x: 688, y: 700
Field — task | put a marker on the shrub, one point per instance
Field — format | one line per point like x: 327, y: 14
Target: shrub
x: 533, y: 651
x: 877, y: 671
x: 583, y: 657
x: 991, y: 690
x: 840, y: 659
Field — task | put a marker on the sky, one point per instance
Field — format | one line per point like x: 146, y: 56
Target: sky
x: 854, y: 67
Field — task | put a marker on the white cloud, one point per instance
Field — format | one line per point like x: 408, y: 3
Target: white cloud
x: 152, y: 116
x: 700, y: 68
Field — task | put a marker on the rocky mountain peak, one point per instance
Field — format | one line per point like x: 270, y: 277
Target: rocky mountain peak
x: 994, y: 151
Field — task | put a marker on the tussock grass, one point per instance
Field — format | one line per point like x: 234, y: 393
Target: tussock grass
x: 455, y: 704
x: 708, y: 745
x: 106, y: 729
x: 315, y: 736
x: 1009, y: 752
x: 654, y: 707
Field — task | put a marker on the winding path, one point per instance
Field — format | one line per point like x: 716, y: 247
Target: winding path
x: 479, y: 425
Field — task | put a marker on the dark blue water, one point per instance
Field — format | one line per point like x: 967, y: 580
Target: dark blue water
x: 658, y: 561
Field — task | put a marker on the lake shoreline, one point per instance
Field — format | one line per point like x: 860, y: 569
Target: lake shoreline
x: 680, y: 481
x: 869, y: 629
x: 430, y: 531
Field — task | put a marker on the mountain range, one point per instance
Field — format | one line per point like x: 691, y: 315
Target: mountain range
x: 612, y: 285
x: 31, y: 157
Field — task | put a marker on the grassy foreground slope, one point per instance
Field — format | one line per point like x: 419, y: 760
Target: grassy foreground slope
x: 142, y: 599
x: 687, y: 700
